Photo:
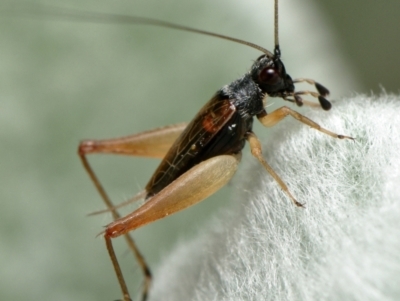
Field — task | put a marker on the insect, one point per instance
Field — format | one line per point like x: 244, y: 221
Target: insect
x: 200, y: 157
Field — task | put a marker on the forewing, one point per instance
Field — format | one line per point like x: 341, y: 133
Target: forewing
x: 206, y: 124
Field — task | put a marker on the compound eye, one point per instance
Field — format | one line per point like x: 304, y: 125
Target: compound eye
x: 269, y: 76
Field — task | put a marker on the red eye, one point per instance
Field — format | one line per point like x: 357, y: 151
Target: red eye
x: 269, y: 76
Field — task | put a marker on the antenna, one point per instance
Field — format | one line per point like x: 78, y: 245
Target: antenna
x: 277, y: 50
x: 68, y: 14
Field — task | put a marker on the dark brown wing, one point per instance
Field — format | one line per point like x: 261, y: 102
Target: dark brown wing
x: 187, y: 150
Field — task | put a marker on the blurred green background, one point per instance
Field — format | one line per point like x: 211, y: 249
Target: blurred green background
x: 61, y: 82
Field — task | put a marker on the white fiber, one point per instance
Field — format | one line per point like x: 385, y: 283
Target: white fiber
x: 345, y: 243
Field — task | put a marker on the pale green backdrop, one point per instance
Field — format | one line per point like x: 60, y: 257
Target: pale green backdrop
x: 61, y: 82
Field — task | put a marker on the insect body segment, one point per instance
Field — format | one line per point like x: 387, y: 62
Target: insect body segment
x: 222, y: 124
x: 270, y: 75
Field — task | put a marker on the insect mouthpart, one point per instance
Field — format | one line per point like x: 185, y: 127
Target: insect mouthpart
x: 270, y: 75
x: 320, y: 95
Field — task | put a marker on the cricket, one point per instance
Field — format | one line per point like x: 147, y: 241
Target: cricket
x: 200, y: 157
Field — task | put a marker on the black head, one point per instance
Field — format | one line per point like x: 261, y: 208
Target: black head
x: 270, y: 75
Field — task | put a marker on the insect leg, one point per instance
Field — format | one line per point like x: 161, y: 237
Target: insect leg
x: 256, y: 151
x: 198, y: 183
x: 273, y: 118
x: 129, y: 240
x: 118, y: 272
x: 195, y: 185
x: 153, y: 143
